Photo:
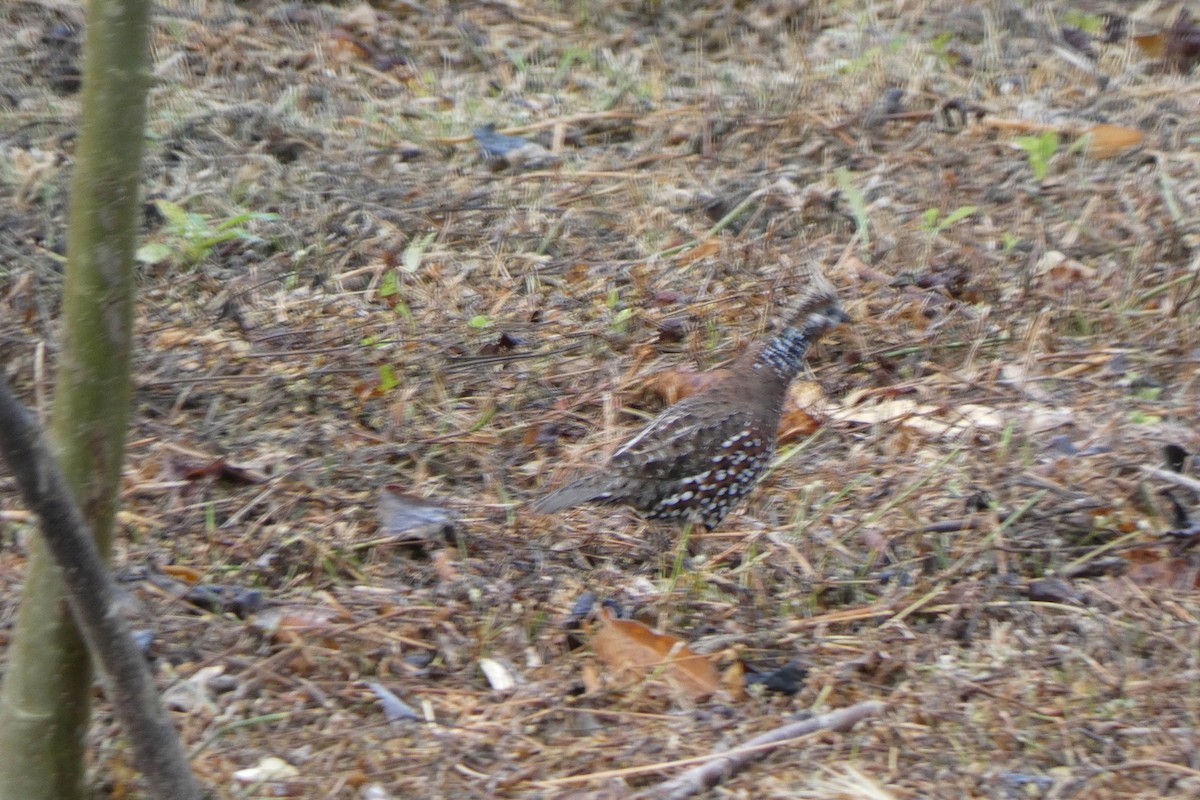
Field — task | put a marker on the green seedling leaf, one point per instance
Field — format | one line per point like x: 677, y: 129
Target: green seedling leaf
x: 387, y: 378
x: 390, y: 284
x: 172, y: 213
x: 940, y: 43
x: 249, y: 216
x: 957, y: 215
x: 858, y: 203
x: 152, y: 253
x: 190, y: 237
x: 227, y: 235
x: 1088, y: 23
x: 1040, y: 149
x: 479, y: 321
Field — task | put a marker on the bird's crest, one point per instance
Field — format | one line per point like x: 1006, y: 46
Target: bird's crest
x: 817, y: 297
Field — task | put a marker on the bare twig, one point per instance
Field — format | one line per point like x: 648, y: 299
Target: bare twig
x: 724, y: 765
x: 1174, y: 477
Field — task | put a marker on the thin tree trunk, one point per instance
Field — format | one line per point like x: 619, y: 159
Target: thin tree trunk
x: 45, y: 698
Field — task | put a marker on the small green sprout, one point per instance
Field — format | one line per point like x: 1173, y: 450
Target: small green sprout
x: 190, y: 237
x: 857, y: 201
x: 387, y: 378
x: 935, y: 223
x: 1040, y: 149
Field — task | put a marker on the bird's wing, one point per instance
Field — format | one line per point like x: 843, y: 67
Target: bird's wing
x: 671, y: 446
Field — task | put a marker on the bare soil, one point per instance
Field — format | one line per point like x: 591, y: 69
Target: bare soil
x: 970, y: 535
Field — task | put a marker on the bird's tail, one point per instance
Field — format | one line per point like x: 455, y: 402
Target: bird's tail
x: 593, y: 488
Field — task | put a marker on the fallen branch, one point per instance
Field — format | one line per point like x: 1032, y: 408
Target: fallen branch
x: 1176, y: 478
x: 92, y: 596
x: 724, y: 765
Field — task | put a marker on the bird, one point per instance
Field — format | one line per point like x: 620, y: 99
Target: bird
x: 699, y: 457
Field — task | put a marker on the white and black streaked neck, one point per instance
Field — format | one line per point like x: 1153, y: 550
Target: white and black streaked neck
x: 785, y: 353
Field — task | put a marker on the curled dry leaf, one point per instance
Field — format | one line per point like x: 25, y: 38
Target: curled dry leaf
x: 632, y: 650
x: 512, y: 151
x: 194, y: 693
x: 393, y: 707
x: 1059, y: 273
x: 1054, y: 589
x: 418, y: 518
x: 296, y: 619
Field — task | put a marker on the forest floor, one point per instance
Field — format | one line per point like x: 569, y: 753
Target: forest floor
x: 377, y: 301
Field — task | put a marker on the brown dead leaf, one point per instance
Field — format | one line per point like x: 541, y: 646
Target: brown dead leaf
x: 222, y: 469
x: 363, y: 17
x: 733, y: 680
x: 1178, y: 46
x: 182, y: 573
x: 444, y: 563
x: 592, y: 682
x: 1059, y: 273
x: 709, y: 247
x: 1106, y: 141
x: 346, y: 47
x: 797, y: 422
x: 1152, y: 44
x: 673, y: 385
x: 865, y: 273
x: 632, y: 650
x: 1150, y: 567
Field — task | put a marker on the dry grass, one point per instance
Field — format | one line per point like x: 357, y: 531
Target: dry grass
x: 895, y: 557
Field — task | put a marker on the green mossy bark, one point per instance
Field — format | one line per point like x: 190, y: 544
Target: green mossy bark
x: 46, y: 694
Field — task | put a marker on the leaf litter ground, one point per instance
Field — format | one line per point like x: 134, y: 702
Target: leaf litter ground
x: 969, y: 534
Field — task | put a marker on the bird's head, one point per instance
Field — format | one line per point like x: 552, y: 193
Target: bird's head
x: 819, y: 308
